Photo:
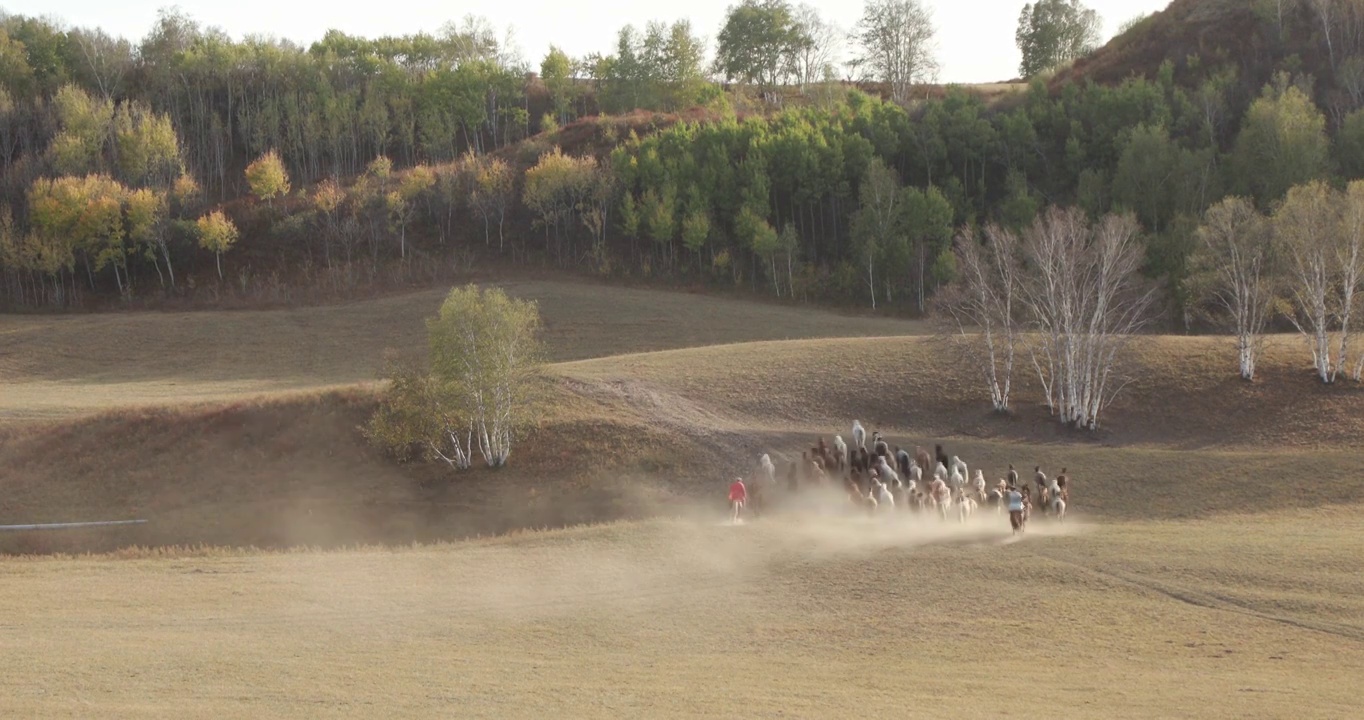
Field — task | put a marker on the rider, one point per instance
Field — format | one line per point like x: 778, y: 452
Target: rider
x: 1015, y: 500
x: 737, y: 495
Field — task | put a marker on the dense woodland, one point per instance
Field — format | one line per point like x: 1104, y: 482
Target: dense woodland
x: 192, y: 166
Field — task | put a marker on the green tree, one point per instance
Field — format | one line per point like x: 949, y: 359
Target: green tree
x: 217, y: 234
x: 1144, y: 181
x: 556, y: 71
x: 267, y: 177
x: 928, y: 223
x: 681, y: 71
x: 695, y: 233
x: 77, y: 149
x: 658, y: 213
x: 756, y: 41
x: 1282, y: 143
x: 878, y: 220
x: 148, y: 149
x: 1350, y: 146
x: 762, y: 240
x: 485, y: 357
x: 1054, y: 32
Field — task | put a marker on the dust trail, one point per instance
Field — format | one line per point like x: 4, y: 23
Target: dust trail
x: 657, y: 564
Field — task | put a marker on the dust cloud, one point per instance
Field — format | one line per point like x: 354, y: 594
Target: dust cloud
x: 644, y: 565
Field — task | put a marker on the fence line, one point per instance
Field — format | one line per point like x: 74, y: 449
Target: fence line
x: 63, y: 526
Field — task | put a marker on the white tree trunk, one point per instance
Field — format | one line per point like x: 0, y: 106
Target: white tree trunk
x: 871, y: 283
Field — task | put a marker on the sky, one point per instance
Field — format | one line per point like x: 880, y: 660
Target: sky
x: 975, y: 38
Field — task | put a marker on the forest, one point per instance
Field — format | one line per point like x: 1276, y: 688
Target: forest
x: 190, y: 167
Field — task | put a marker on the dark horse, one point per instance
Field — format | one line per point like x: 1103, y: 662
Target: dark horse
x: 942, y: 458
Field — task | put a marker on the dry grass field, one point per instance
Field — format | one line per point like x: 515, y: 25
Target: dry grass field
x: 1250, y: 616
x: 1209, y: 567
x: 56, y: 366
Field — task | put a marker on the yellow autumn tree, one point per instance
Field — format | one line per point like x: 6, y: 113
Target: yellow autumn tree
x: 217, y: 233
x: 267, y: 177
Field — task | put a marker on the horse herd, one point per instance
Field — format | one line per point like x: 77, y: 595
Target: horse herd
x: 884, y: 478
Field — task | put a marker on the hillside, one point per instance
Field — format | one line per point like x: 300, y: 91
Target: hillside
x: 1197, y: 36
x: 53, y: 366
x: 626, y: 435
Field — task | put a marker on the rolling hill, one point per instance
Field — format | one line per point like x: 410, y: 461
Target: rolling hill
x: 1210, y: 553
x: 244, y: 428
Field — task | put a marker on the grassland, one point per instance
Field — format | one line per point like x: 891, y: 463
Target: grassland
x: 59, y: 366
x: 819, y: 618
x: 1209, y: 568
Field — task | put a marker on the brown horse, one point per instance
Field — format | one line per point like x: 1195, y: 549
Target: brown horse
x: 924, y: 461
x: 861, y: 459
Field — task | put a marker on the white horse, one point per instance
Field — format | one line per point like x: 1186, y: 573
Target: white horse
x: 884, y: 498
x: 956, y: 480
x: 769, y: 470
x: 840, y: 451
x: 859, y: 435
x: 941, y: 496
x: 965, y: 506
x: 959, y: 465
x: 885, y: 470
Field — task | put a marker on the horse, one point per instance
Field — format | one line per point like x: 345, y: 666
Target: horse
x: 942, y: 457
x: 902, y: 461
x: 1058, y: 508
x: 923, y: 459
x: 942, y: 497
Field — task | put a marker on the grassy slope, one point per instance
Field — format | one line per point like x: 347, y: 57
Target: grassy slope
x: 55, y: 366
x: 1210, y: 567
x: 224, y: 427
x: 620, y: 435
x: 679, y: 619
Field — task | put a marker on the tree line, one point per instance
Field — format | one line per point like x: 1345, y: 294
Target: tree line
x: 355, y: 155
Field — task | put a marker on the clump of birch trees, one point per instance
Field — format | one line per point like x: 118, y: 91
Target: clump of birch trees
x: 1303, y: 262
x: 478, y: 390
x: 1069, y: 290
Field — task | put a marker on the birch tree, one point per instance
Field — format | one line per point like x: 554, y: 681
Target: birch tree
x: 896, y: 40
x: 817, y: 46
x: 1053, y: 32
x: 1350, y: 264
x: 983, y: 306
x: 402, y: 202
x: 217, y: 234
x: 878, y: 217
x: 1232, y: 267
x: 1307, y: 225
x: 267, y: 177
x: 492, y: 195
x: 1086, y: 297
x: 484, y: 357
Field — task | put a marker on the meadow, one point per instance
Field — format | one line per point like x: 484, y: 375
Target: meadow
x: 1209, y: 566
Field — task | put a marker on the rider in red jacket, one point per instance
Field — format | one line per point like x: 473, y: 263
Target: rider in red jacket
x: 737, y: 495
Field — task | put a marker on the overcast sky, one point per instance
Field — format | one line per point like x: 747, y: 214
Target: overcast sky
x: 975, y: 37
